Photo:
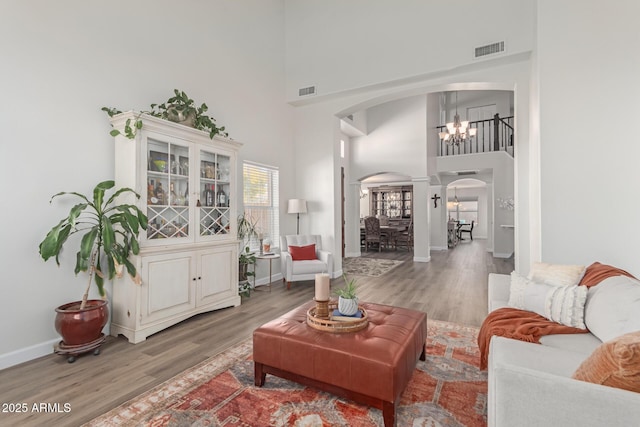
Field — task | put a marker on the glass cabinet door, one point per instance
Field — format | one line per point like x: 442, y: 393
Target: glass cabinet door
x: 214, y: 214
x: 167, y: 190
x: 406, y: 204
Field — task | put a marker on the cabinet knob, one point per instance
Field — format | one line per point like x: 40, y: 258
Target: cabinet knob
x: 194, y: 279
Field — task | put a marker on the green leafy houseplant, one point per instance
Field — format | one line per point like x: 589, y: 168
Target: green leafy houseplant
x: 179, y: 108
x: 245, y: 259
x: 246, y: 230
x: 110, y: 236
x: 349, y: 289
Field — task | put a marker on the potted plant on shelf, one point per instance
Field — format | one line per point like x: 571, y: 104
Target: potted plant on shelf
x: 347, y: 299
x: 179, y: 108
x: 246, y: 230
x: 110, y: 232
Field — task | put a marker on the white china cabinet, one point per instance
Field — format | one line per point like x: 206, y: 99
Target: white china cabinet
x: 188, y: 259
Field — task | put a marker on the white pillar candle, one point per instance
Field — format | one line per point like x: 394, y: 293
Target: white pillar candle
x: 322, y: 287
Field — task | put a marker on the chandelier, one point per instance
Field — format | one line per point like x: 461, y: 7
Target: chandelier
x: 457, y: 131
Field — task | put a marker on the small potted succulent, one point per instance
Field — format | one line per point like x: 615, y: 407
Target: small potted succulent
x: 347, y: 299
x: 109, y: 236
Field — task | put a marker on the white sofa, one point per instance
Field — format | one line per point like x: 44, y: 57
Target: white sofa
x: 530, y: 384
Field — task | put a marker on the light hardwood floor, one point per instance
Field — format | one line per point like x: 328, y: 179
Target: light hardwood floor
x: 452, y: 287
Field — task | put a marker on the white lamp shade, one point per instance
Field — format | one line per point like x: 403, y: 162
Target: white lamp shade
x: 297, y: 206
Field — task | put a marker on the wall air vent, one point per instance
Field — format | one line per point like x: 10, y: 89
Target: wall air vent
x: 461, y: 173
x: 350, y: 117
x: 488, y: 50
x: 307, y: 91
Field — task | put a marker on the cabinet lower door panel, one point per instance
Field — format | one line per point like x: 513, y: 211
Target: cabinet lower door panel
x: 168, y: 288
x: 217, y: 276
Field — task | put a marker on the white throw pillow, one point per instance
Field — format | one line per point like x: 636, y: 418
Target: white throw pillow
x: 516, y: 290
x: 556, y: 274
x: 613, y: 307
x: 561, y: 304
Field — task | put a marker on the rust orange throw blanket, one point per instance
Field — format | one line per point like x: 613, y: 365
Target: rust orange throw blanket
x: 517, y: 324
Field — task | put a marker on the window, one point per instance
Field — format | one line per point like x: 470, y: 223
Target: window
x: 342, y: 148
x: 261, y: 200
x: 464, y: 212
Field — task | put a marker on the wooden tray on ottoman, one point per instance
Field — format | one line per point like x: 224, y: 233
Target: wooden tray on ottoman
x: 337, y: 326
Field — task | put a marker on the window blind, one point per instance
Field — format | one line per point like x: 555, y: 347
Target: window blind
x: 261, y: 194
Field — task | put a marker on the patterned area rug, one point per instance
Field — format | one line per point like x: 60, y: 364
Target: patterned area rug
x: 446, y: 390
x: 368, y: 266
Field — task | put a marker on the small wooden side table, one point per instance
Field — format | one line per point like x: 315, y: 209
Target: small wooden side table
x: 270, y: 257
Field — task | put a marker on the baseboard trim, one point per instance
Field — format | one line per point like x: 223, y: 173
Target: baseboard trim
x: 500, y: 255
x: 28, y: 353
x: 421, y: 259
x: 439, y: 248
x: 277, y: 277
x: 352, y: 254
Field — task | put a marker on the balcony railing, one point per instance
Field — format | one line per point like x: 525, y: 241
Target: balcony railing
x: 494, y: 134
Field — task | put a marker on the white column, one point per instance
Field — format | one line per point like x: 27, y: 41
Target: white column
x: 438, y: 218
x: 421, y: 220
x: 352, y: 220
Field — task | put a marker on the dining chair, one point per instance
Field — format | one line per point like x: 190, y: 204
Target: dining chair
x: 372, y: 234
x: 465, y: 230
x: 405, y: 238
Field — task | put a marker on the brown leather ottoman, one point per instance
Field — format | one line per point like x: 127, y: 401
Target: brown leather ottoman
x: 372, y: 366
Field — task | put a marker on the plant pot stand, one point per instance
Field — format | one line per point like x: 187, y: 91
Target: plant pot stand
x: 73, y: 351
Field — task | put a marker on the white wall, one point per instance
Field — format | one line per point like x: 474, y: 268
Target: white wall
x: 354, y: 59
x: 381, y: 41
x: 503, y: 100
x: 61, y: 62
x: 396, y: 141
x: 587, y: 65
x: 437, y: 217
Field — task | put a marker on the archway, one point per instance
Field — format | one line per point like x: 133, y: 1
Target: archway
x: 430, y: 169
x: 468, y: 201
x: 360, y: 203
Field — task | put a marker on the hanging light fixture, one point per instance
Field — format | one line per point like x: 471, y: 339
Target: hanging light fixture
x: 456, y: 202
x: 457, y: 131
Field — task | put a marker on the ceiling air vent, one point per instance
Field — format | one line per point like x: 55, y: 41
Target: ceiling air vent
x: 307, y: 91
x: 487, y: 50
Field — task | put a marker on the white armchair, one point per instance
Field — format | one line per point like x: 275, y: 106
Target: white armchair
x: 293, y: 271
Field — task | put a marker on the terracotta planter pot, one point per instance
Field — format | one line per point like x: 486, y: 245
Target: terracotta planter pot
x: 78, y: 327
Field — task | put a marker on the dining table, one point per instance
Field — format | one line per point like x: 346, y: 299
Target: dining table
x: 391, y: 231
